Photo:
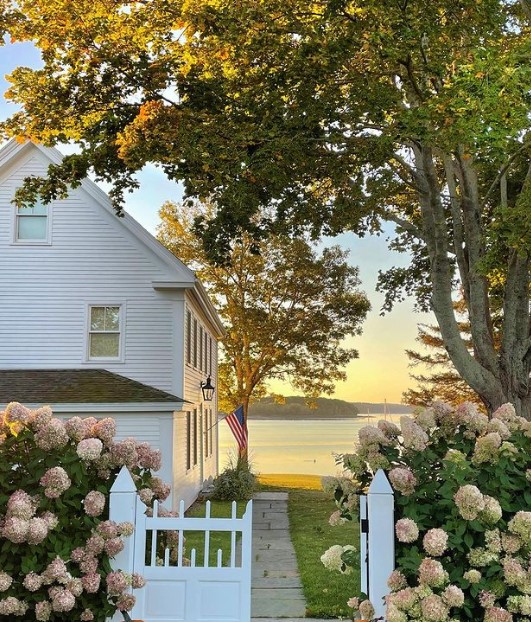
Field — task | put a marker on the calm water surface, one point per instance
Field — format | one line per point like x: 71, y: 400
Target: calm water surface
x: 301, y: 446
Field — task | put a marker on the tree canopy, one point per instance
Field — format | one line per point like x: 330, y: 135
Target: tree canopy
x: 287, y: 309
x: 333, y: 115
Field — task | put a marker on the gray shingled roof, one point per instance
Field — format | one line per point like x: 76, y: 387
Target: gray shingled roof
x: 76, y: 386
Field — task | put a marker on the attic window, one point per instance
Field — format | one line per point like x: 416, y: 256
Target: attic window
x: 104, y: 332
x: 32, y: 223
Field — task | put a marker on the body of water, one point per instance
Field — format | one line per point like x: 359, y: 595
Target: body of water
x: 302, y: 446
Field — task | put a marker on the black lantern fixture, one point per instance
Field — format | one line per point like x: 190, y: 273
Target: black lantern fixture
x: 208, y: 390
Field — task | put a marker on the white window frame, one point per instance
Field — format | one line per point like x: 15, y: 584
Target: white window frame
x: 47, y: 240
x: 121, y: 332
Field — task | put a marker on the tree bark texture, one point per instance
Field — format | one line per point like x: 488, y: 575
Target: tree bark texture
x: 455, y: 236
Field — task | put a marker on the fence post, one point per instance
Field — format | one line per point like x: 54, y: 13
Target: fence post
x: 380, y: 504
x: 122, y: 508
x: 364, y: 533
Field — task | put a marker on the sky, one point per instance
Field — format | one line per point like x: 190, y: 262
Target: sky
x: 381, y: 372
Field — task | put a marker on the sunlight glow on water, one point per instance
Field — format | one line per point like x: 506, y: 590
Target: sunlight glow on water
x: 296, y: 446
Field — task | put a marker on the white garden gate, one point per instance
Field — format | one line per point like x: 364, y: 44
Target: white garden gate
x: 189, y: 588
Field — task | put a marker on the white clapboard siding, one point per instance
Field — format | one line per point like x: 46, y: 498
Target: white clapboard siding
x: 45, y: 290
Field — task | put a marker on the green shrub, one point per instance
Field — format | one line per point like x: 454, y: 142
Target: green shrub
x: 236, y: 483
x: 462, y: 509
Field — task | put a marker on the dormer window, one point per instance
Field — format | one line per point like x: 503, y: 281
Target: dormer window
x: 32, y: 223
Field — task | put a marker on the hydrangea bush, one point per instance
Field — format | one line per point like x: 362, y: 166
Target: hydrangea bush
x: 462, y: 483
x: 55, y: 537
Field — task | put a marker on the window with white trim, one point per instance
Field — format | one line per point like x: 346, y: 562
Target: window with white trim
x: 105, y: 332
x: 31, y: 223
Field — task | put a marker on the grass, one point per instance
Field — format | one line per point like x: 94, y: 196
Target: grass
x: 309, y: 508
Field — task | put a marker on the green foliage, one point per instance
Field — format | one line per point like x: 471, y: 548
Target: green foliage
x: 236, y: 483
x: 463, y: 479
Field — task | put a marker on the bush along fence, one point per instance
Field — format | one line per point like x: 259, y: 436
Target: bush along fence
x: 462, y: 517
x: 180, y: 584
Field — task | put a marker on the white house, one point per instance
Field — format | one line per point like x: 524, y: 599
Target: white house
x: 98, y: 319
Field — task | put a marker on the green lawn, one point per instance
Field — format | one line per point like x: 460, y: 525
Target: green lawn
x: 309, y: 508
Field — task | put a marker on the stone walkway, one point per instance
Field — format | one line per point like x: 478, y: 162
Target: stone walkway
x: 276, y: 587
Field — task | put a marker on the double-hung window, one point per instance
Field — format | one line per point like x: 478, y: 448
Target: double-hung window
x: 31, y: 223
x: 105, y: 332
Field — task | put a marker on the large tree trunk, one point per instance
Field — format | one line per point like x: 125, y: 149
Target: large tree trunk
x: 498, y: 376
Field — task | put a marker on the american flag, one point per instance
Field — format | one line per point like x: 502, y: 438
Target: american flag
x: 237, y: 426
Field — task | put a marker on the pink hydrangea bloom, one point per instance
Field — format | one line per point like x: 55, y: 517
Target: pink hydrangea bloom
x: 486, y: 448
x: 366, y: 609
x: 41, y: 417
x: 32, y: 582
x: 390, y: 429
x: 160, y: 489
x: 86, y: 616
x: 472, y: 576
x: 124, y: 453
x: 94, y: 503
x: 117, y: 582
x: 371, y: 435
x: 91, y: 582
x: 469, y: 501
x: 435, y: 542
x: 126, y: 529
x: 453, y: 596
x: 413, y: 435
x: 426, y: 419
x: 149, y: 458
x: 432, y: 573
x: 403, y: 480
x: 353, y: 602
x: 146, y: 495
x: 434, y: 609
x: 76, y: 428
x: 108, y: 529
x: 497, y: 614
x: 89, y: 449
x: 55, y: 482
x: 336, y: 519
x: 137, y: 581
x: 55, y: 571
x: 13, y: 606
x: 51, y: 436
x: 125, y: 602
x: 63, y: 600
x: 5, y: 581
x: 497, y: 425
x: 520, y: 525
x: 492, y: 511
x: 406, y: 530
x: 21, y: 505
x: 17, y: 413
x: 487, y: 599
x: 51, y: 520
x: 88, y: 565
x: 404, y: 599
x: 94, y: 546
x: 37, y: 530
x: 105, y: 429
x: 114, y: 546
x: 15, y: 529
x: 396, y: 581
x: 43, y: 610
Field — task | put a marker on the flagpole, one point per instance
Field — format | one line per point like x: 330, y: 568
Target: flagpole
x: 213, y: 426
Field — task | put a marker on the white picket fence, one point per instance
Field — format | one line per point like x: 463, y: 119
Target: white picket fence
x: 186, y: 589
x: 377, y: 540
